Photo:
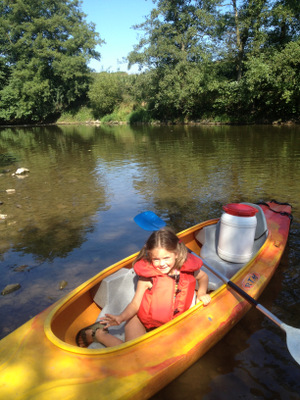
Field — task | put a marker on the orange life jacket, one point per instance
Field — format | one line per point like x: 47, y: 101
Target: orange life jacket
x: 161, y: 304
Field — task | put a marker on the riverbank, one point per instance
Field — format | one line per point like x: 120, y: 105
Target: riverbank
x: 154, y: 123
x: 131, y: 114
x: 128, y: 116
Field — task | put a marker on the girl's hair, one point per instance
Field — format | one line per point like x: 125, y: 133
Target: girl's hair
x: 166, y: 239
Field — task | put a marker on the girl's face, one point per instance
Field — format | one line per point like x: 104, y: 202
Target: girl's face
x: 163, y: 260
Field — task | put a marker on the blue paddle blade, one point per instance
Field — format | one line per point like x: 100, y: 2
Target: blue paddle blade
x: 149, y: 221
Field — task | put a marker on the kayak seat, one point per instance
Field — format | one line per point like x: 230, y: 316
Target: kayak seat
x: 261, y: 227
x: 114, y: 294
x: 208, y: 238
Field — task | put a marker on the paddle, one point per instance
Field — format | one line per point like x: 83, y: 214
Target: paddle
x: 149, y: 221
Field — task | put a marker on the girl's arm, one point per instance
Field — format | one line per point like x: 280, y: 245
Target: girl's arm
x: 131, y: 309
x: 202, y: 295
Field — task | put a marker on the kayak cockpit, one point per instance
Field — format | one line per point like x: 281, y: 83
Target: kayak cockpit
x: 112, y: 289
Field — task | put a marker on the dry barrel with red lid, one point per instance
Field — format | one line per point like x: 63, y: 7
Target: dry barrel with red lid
x: 237, y: 231
x: 240, y: 210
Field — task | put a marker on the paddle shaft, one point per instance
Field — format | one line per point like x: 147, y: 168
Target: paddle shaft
x: 241, y: 292
x: 292, y: 334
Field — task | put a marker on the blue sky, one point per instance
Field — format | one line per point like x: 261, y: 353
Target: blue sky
x: 114, y: 20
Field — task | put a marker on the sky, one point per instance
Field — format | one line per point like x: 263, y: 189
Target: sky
x: 113, y: 20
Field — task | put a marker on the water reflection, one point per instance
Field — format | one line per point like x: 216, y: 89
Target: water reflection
x: 52, y: 208
x: 73, y: 216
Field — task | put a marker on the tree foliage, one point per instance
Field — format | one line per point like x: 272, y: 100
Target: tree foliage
x: 175, y: 49
x: 236, y: 58
x: 175, y: 32
x: 105, y: 93
x: 44, y: 47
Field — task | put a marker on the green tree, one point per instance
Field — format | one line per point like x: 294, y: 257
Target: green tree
x: 175, y: 49
x: 44, y: 47
x: 283, y: 24
x: 240, y: 24
x: 269, y: 89
x: 105, y: 93
x: 248, y: 27
x: 272, y: 84
x: 175, y: 31
x: 208, y: 57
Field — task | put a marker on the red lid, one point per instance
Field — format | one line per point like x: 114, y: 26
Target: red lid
x: 241, y: 210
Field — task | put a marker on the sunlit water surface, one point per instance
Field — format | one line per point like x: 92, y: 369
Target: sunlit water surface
x: 72, y: 216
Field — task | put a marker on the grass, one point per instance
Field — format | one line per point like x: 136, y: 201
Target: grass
x: 129, y: 113
x: 120, y: 114
x: 84, y: 114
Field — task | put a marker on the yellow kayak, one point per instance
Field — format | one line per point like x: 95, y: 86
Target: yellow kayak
x: 41, y: 361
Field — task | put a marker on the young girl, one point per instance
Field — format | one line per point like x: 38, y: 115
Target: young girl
x: 165, y: 289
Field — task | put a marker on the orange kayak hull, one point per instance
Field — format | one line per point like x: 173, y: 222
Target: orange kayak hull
x: 40, y: 360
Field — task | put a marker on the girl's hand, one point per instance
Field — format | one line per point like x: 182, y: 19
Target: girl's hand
x: 111, y: 320
x: 204, y: 298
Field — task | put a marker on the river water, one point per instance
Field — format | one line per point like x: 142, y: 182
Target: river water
x: 72, y: 215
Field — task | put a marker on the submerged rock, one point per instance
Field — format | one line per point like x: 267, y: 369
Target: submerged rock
x: 21, y: 171
x: 10, y: 288
x: 21, y: 268
x: 62, y: 285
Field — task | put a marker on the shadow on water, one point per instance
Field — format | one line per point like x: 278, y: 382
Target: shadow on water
x: 72, y: 216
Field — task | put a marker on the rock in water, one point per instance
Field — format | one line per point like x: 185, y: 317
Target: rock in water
x: 10, y: 288
x: 62, y: 284
x: 21, y: 171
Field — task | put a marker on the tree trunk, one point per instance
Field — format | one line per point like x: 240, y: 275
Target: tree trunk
x: 239, y: 42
